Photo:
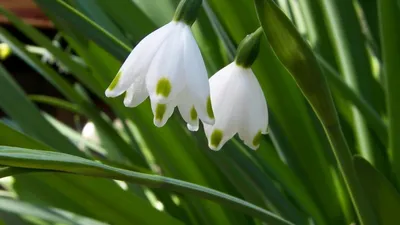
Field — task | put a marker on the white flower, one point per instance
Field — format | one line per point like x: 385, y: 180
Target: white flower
x: 239, y: 107
x: 167, y: 66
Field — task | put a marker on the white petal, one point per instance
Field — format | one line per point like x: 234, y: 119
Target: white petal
x: 255, y: 115
x: 165, y: 78
x: 137, y: 63
x: 196, y: 77
x: 227, y: 96
x: 162, y: 112
x: 193, y: 128
x: 188, y: 111
x: 136, y: 93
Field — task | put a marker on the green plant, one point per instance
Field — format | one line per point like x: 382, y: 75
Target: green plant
x: 328, y: 70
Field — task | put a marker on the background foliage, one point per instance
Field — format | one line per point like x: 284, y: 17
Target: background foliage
x: 168, y: 175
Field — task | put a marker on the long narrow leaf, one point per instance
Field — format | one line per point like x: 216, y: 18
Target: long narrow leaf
x: 67, y: 192
x: 298, y: 58
x: 64, y: 87
x: 36, y: 159
x: 47, y: 214
x: 77, y: 19
x: 389, y: 16
x: 384, y: 197
x: 352, y: 58
x: 28, y: 116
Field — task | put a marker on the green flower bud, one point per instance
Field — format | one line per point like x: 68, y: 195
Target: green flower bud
x: 248, y: 49
x: 187, y: 11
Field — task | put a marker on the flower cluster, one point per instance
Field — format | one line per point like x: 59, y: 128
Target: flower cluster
x: 168, y: 67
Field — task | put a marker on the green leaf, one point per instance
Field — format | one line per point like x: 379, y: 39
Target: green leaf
x: 269, y: 160
x: 79, y: 72
x: 47, y: 214
x: 28, y: 116
x: 239, y: 19
x: 93, y: 11
x: 8, y: 218
x: 160, y: 12
x: 88, y: 108
x: 129, y: 17
x: 389, y: 16
x: 353, y: 59
x: 370, y: 11
x: 55, y: 102
x: 67, y: 192
x: 371, y: 116
x: 385, y: 199
x: 169, y: 150
x: 208, y: 42
x: 53, y: 161
x: 11, y: 137
x: 268, y: 188
x: 78, y: 21
x: 301, y: 62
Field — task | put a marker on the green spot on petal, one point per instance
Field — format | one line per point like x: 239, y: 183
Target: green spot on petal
x: 257, y: 139
x: 216, y: 137
x: 193, y: 113
x: 115, y: 81
x: 160, y: 111
x: 163, y: 87
x: 209, y: 108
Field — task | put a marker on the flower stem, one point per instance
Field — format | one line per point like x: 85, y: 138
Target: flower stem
x: 248, y: 49
x: 187, y: 11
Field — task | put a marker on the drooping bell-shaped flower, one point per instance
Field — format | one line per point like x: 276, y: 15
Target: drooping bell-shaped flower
x: 167, y: 66
x: 238, y: 100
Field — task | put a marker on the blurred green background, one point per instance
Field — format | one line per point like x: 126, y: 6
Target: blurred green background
x: 69, y: 155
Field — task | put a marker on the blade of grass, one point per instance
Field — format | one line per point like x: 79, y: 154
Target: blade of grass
x: 371, y: 116
x: 384, y: 197
x: 80, y: 22
x: 352, y: 58
x: 93, y: 11
x: 36, y: 159
x: 169, y: 150
x: 47, y: 214
x: 220, y: 31
x: 239, y: 19
x: 269, y: 160
x: 159, y: 12
x: 101, y: 151
x: 208, y: 42
x: 28, y: 116
x: 135, y: 23
x: 267, y: 186
x: 390, y: 36
x: 370, y: 13
x: 79, y: 72
x: 245, y: 176
x: 87, y: 107
x: 55, y: 102
x: 10, y: 137
x: 318, y: 37
x: 301, y: 62
x: 67, y: 192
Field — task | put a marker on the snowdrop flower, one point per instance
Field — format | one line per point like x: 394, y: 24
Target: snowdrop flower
x: 167, y: 66
x: 238, y: 100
